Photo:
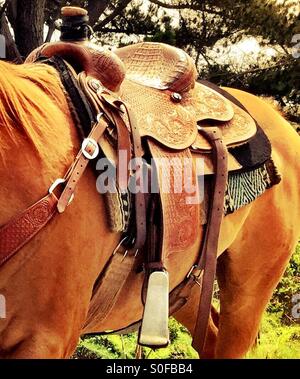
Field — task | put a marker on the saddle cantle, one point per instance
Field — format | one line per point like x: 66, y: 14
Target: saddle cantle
x: 159, y: 66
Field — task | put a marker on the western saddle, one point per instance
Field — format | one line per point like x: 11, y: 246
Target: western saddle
x: 144, y: 99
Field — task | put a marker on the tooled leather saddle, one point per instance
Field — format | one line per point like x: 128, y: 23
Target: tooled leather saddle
x: 159, y: 80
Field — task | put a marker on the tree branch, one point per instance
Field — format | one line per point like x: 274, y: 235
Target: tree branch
x: 96, y: 8
x: 200, y: 52
x: 122, y: 30
x: 53, y: 17
x: 4, y: 7
x: 12, y: 52
x: 253, y: 70
x: 51, y: 30
x: 173, y: 6
x: 196, y: 7
x: 121, y: 6
x: 12, y: 13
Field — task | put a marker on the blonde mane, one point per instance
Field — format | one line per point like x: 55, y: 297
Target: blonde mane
x: 31, y: 96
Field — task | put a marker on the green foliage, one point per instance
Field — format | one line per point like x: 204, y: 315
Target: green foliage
x: 180, y: 347
x: 275, y: 20
x: 276, y: 341
x: 111, y: 347
x: 206, y: 28
x: 167, y: 35
x: 280, y: 79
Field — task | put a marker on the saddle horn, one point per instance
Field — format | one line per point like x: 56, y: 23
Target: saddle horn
x: 82, y: 55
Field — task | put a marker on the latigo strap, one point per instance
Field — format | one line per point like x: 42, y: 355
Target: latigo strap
x: 208, y: 257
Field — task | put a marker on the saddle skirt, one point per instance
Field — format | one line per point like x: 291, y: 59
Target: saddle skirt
x: 174, y: 124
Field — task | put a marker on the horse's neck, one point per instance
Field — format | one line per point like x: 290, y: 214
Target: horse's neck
x: 37, y: 136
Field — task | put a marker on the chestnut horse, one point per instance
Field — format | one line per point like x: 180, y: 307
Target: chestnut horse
x: 48, y: 283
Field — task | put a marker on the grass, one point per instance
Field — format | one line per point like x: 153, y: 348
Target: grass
x: 112, y: 347
x: 276, y: 341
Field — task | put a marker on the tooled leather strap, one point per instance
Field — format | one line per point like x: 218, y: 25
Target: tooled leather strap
x: 208, y: 258
x: 22, y: 228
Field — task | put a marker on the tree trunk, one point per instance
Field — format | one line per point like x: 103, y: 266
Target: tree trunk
x: 29, y: 26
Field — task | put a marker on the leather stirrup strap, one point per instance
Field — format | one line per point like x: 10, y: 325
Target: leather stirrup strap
x: 109, y: 286
x: 122, y: 262
x: 110, y: 106
x: 114, y: 114
x: 139, y: 197
x: 114, y: 108
x: 208, y: 258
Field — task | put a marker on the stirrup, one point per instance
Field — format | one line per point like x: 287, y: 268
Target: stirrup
x: 154, y: 331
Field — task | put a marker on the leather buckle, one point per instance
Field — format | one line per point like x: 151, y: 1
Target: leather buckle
x: 56, y: 183
x: 90, y: 148
x: 195, y: 272
x: 121, y: 251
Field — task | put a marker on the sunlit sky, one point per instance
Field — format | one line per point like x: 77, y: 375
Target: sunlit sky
x: 247, y: 49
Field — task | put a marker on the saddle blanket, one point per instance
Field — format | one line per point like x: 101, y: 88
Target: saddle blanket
x: 243, y: 187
